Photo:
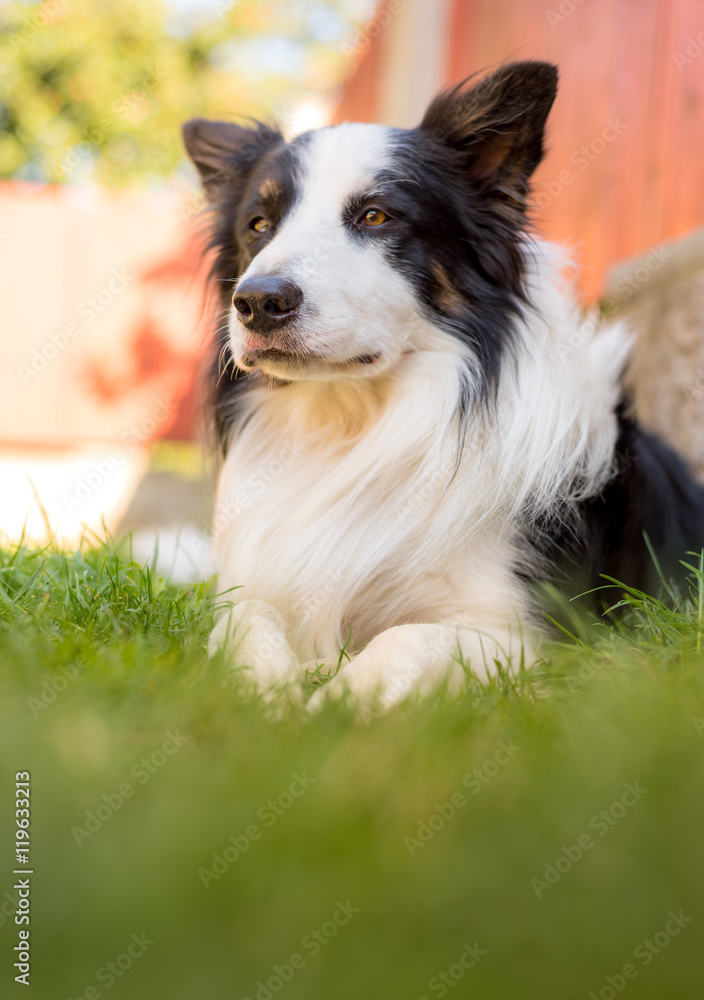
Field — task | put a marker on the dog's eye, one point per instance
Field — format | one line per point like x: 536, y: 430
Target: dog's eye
x: 374, y: 217
x: 260, y: 225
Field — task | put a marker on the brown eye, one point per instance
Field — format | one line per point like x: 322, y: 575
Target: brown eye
x: 260, y: 225
x: 374, y: 217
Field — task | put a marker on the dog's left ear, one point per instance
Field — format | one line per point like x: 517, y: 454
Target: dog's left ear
x: 224, y: 152
x: 498, y: 125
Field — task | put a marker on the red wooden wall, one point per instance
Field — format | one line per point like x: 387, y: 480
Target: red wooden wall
x: 638, y: 63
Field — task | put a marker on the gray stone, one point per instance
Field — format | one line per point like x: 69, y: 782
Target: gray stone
x: 661, y: 296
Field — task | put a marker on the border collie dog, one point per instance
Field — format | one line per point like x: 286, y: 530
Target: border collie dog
x: 410, y: 440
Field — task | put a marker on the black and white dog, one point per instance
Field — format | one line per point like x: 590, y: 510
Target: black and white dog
x: 410, y: 442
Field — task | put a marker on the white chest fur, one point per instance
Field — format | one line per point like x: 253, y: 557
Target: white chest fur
x: 344, y: 508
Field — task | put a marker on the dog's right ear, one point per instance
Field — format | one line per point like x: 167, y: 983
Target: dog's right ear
x: 223, y: 152
x: 497, y: 127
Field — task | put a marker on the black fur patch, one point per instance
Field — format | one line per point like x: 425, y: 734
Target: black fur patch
x: 651, y: 493
x: 246, y: 172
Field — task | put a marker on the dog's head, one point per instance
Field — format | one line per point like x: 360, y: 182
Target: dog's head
x: 343, y: 247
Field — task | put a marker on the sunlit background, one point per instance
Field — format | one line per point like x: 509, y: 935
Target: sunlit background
x: 103, y: 666
x: 101, y: 305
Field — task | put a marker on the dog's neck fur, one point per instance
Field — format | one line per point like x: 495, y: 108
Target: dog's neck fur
x: 329, y: 500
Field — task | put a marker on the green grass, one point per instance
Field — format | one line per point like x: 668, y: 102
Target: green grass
x: 99, y: 662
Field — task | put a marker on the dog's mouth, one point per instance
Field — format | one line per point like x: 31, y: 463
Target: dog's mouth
x: 295, y: 359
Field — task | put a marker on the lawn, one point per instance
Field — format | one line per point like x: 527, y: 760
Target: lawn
x: 540, y: 837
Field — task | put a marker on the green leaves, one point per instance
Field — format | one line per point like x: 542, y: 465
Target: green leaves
x: 100, y: 90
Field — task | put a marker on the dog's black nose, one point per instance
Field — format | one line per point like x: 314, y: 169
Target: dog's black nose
x: 265, y: 304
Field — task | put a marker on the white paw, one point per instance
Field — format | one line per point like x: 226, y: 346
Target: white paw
x: 402, y: 661
x: 416, y: 659
x: 254, y: 634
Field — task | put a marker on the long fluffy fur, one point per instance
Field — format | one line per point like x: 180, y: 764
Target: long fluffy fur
x: 488, y: 450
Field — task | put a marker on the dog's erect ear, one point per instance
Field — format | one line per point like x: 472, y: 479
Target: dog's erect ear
x: 223, y: 151
x: 499, y: 124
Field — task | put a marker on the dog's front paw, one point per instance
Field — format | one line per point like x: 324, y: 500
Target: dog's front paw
x: 416, y: 659
x: 253, y: 633
x: 404, y: 660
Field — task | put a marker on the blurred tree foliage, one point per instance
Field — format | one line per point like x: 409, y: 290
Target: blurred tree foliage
x: 101, y: 87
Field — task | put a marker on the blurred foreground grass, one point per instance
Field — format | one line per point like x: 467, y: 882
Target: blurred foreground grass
x: 322, y: 858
